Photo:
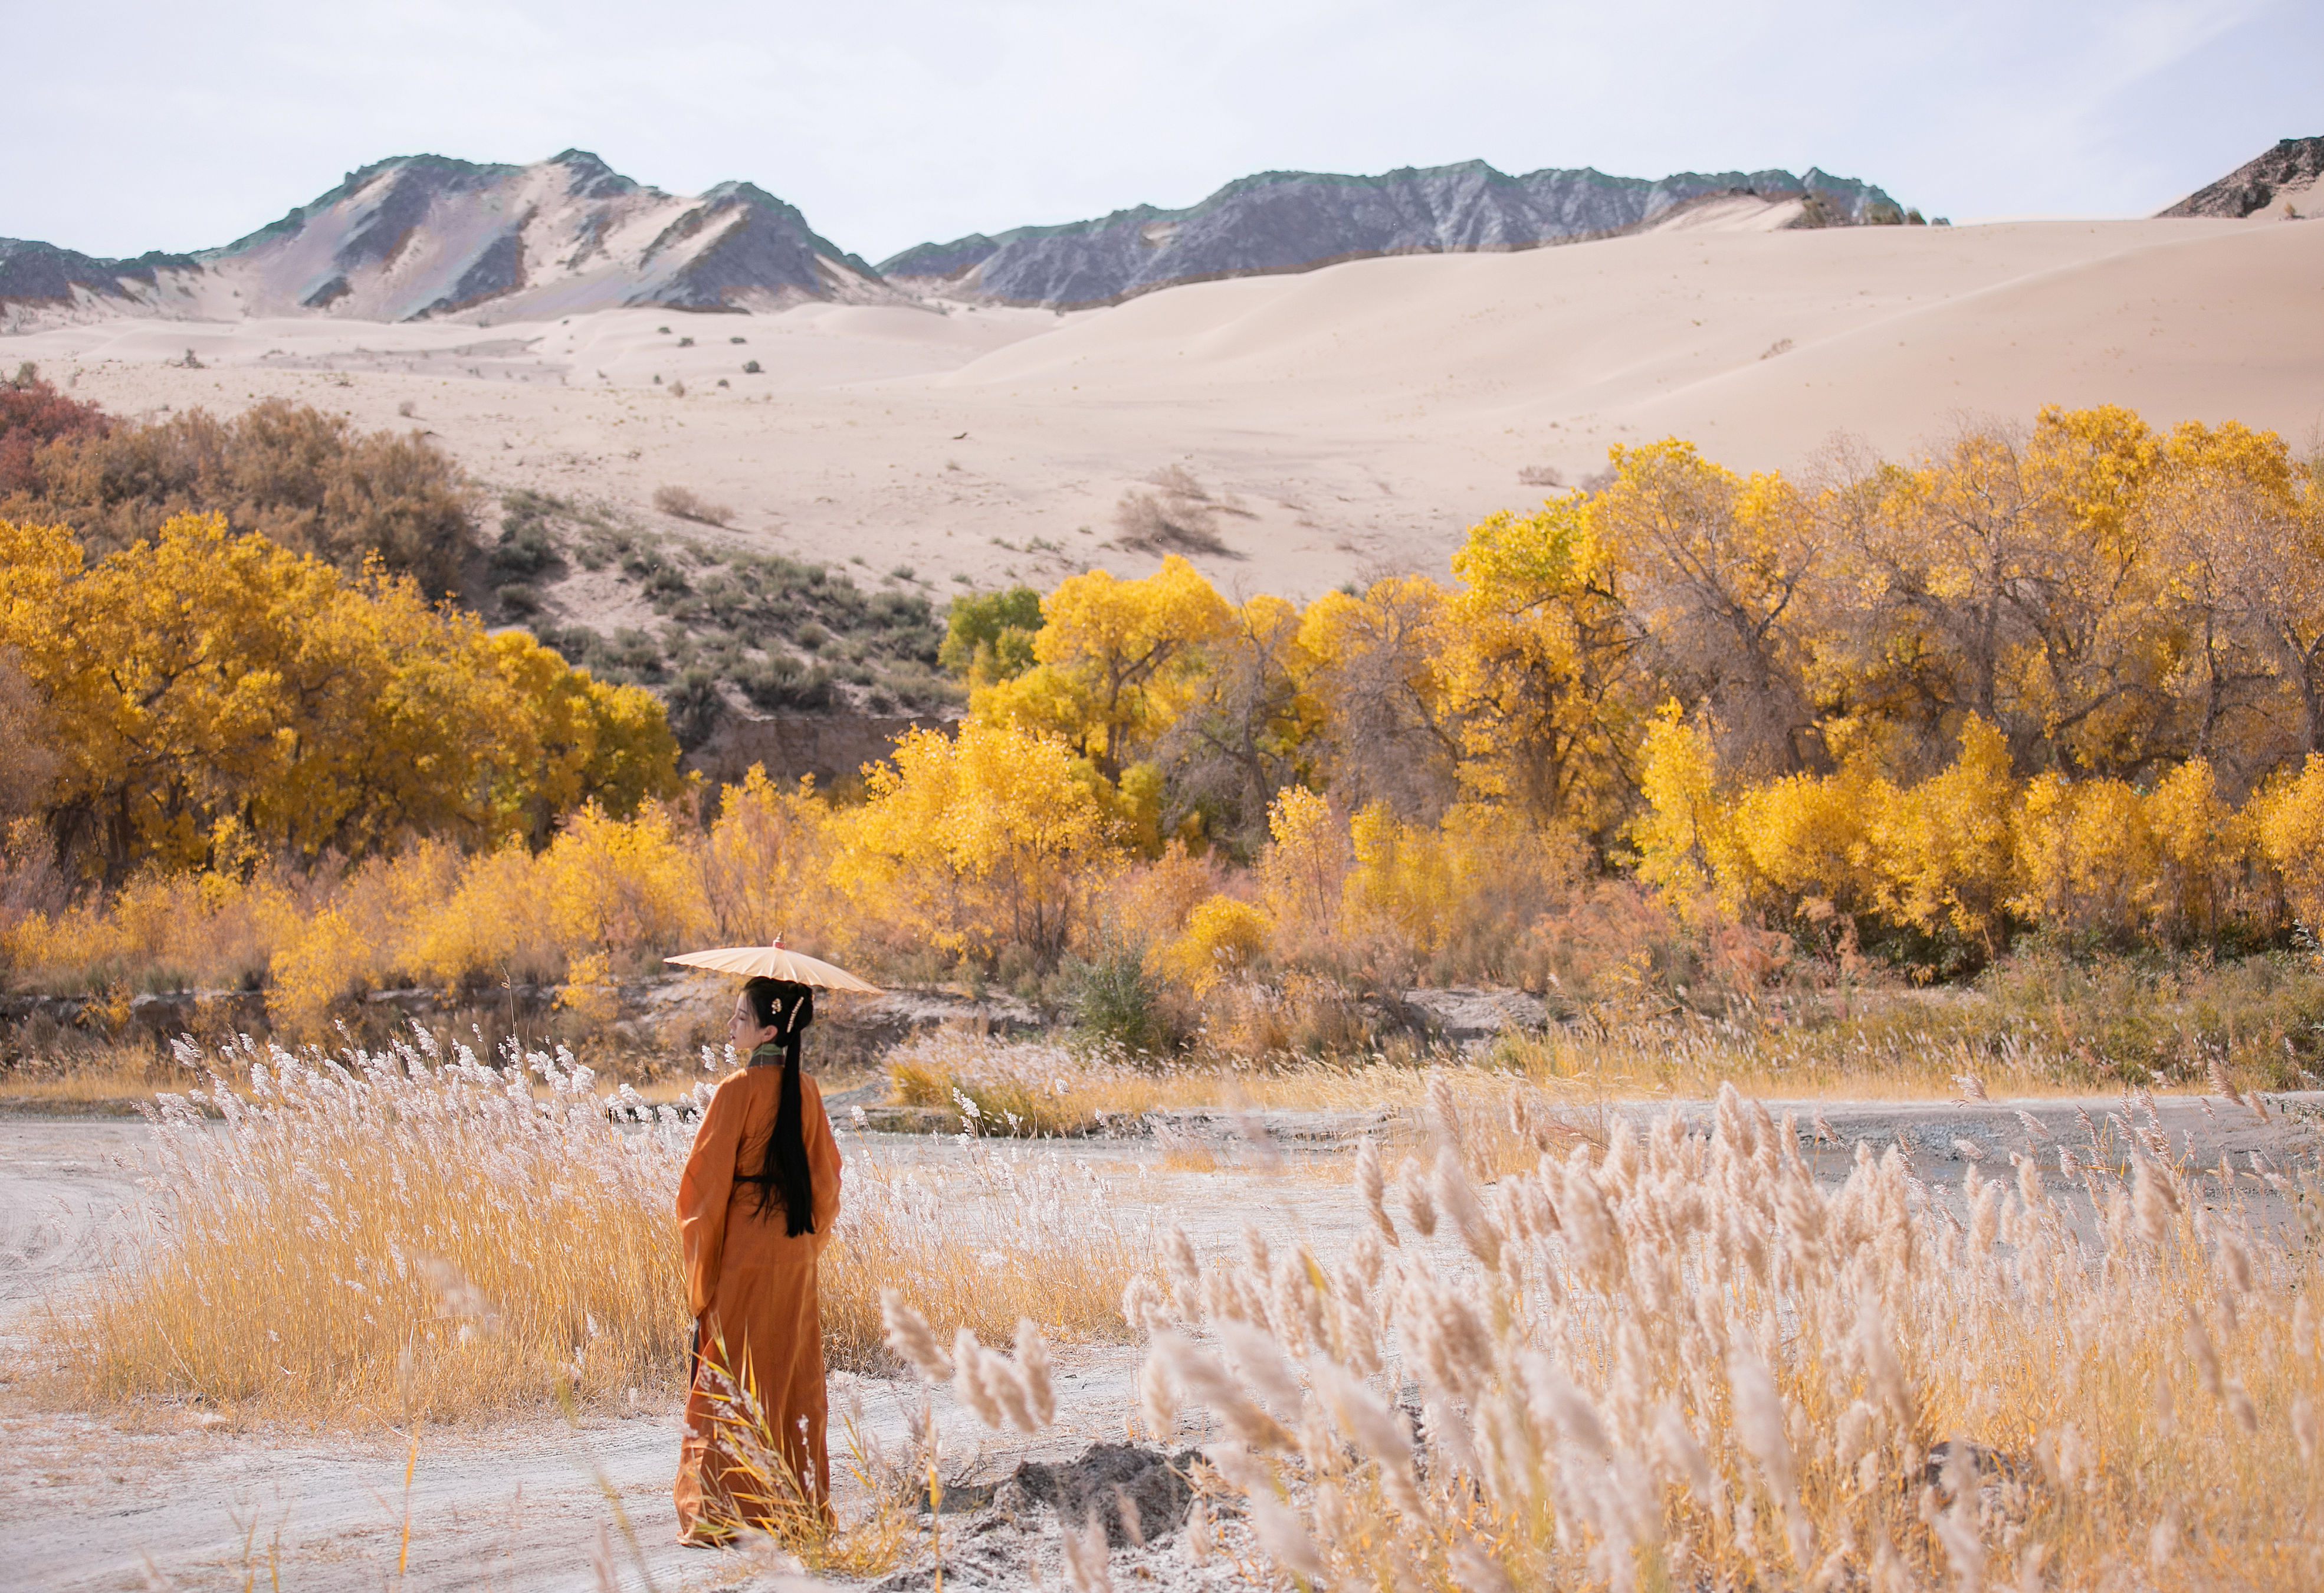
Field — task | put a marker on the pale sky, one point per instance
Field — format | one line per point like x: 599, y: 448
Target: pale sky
x: 140, y: 125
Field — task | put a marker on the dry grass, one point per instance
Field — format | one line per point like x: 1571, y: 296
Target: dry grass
x: 405, y: 1234
x: 1184, y: 1152
x: 1676, y: 1361
x: 105, y: 1076
x: 1693, y: 1059
x: 1880, y: 1045
x: 1054, y: 1088
x: 408, y: 1235
x: 1019, y: 1089
x: 1009, y: 1236
x: 1641, y: 1360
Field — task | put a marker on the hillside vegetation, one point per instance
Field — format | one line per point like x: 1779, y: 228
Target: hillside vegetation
x: 307, y: 481
x: 739, y: 631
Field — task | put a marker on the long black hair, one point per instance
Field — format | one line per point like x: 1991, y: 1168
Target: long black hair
x: 787, y: 1009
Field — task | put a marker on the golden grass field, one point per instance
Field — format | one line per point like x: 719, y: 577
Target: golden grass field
x: 1524, y: 1336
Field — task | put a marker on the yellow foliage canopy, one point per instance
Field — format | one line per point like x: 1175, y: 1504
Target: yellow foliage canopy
x: 2071, y: 676
x: 995, y: 838
x: 1539, y: 664
x: 206, y: 685
x: 1972, y: 848
x: 1222, y: 936
x: 1119, y: 660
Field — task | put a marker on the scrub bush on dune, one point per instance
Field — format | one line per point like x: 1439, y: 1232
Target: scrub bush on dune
x: 683, y: 502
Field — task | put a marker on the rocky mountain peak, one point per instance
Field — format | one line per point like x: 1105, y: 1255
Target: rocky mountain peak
x: 589, y: 178
x: 421, y: 236
x: 2288, y: 171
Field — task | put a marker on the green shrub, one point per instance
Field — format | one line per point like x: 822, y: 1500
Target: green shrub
x: 1117, y: 1003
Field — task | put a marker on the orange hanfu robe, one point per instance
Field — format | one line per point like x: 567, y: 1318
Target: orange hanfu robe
x: 751, y: 1286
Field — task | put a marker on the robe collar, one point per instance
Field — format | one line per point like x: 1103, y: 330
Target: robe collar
x: 769, y: 1055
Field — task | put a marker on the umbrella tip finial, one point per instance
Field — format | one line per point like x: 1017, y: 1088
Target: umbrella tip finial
x: 778, y: 939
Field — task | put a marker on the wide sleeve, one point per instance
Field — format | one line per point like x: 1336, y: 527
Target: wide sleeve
x: 703, y: 1189
x: 822, y: 1162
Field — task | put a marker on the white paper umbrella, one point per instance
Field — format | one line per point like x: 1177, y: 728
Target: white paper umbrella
x: 777, y: 961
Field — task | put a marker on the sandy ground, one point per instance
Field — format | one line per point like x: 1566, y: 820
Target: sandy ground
x: 104, y: 1502
x: 1359, y: 417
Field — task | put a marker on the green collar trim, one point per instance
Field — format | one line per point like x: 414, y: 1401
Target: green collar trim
x: 772, y: 1051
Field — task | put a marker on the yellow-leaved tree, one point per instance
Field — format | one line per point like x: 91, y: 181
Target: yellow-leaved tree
x: 581, y: 740
x: 1806, y: 837
x: 2086, y: 863
x: 1719, y: 576
x: 206, y: 685
x: 1118, y: 661
x: 1243, y: 733
x: 1403, y: 888
x: 2237, y: 530
x: 1542, y: 669
x: 1301, y: 872
x: 973, y: 844
x: 1224, y: 937
x: 1374, y: 686
x: 766, y: 865
x: 1946, y: 854
x: 1678, y: 836
x: 2287, y: 817
x: 2006, y: 579
x: 2101, y: 858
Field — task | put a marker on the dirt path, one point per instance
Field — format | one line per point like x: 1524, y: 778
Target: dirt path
x: 162, y: 1499
x: 68, y: 1188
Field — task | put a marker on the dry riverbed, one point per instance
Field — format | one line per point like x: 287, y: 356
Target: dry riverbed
x: 172, y: 1495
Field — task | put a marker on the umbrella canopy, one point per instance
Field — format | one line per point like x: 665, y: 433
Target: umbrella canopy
x: 775, y: 962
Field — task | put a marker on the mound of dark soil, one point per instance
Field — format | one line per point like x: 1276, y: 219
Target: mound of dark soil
x: 1137, y: 1492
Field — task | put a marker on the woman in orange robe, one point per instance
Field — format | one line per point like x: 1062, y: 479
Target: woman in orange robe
x: 755, y: 1207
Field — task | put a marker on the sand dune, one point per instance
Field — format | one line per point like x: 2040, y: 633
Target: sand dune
x: 1364, y: 415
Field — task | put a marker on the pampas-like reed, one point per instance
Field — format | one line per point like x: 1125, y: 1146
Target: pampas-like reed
x: 1005, y: 1237
x: 1680, y: 1362
x: 404, y: 1233
x: 409, y: 1235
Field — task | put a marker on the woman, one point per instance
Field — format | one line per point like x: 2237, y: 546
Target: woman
x: 755, y: 1207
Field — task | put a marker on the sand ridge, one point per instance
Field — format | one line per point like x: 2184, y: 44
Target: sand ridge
x: 1364, y: 415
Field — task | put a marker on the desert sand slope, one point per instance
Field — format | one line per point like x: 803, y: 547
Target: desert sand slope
x: 1680, y: 332
x: 1362, y: 415
x: 2193, y: 329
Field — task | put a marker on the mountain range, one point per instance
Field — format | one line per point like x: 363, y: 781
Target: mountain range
x: 1283, y: 221
x: 421, y: 237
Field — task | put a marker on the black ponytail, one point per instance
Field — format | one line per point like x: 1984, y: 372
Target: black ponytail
x: 787, y: 1009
